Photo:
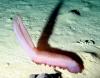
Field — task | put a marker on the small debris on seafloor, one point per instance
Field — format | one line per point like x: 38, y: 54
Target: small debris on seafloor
x: 75, y: 11
x: 92, y: 41
x: 11, y: 18
x: 86, y: 41
x: 8, y: 63
x: 45, y: 75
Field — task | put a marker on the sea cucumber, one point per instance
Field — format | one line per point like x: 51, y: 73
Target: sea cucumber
x: 44, y: 57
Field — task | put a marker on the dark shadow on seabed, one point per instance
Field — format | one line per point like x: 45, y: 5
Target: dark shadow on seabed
x: 47, y: 31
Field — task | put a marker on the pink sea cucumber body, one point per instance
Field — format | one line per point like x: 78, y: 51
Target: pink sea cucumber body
x: 43, y: 57
x: 58, y: 60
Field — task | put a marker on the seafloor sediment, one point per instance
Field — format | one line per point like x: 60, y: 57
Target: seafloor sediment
x: 77, y: 29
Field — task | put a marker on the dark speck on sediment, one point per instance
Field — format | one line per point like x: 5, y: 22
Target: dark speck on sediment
x: 11, y: 18
x: 75, y: 11
x: 8, y: 63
